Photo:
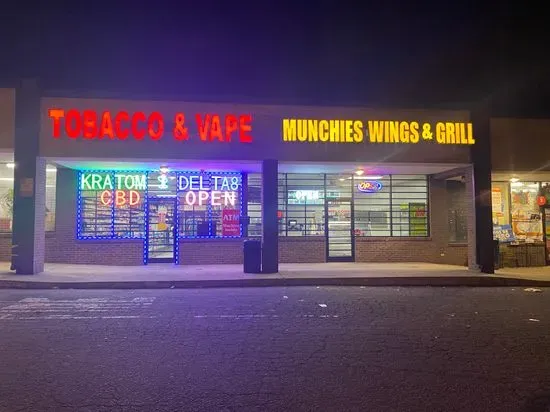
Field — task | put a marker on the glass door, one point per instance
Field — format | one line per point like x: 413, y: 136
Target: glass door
x: 340, y: 241
x: 546, y: 223
x: 161, y: 230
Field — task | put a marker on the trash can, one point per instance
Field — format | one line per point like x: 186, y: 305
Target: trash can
x: 496, y: 245
x: 252, y: 253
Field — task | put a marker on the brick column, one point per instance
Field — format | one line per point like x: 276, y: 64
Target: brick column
x: 29, y: 200
x: 270, y: 235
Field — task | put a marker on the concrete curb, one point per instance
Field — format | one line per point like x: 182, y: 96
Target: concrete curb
x: 452, y: 281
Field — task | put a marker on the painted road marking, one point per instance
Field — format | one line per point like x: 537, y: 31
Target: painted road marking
x: 261, y: 316
x: 82, y: 308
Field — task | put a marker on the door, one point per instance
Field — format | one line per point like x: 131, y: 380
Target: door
x: 340, y: 241
x: 546, y: 237
x: 161, y: 229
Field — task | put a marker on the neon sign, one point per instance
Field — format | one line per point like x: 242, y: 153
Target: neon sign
x: 121, y: 125
x: 109, y: 181
x: 304, y: 196
x: 370, y: 186
x: 209, y: 189
x: 120, y: 198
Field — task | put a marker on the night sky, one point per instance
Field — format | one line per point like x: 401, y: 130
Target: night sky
x: 312, y: 52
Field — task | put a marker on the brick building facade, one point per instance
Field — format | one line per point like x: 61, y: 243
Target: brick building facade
x: 350, y: 191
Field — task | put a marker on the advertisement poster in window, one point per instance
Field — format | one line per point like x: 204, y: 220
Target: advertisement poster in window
x: 418, y: 219
x: 498, y: 204
x: 526, y: 217
x: 231, y: 222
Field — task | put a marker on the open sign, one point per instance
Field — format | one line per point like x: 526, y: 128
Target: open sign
x: 369, y: 186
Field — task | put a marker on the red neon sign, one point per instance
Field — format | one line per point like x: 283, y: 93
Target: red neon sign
x: 120, y: 198
x: 89, y: 124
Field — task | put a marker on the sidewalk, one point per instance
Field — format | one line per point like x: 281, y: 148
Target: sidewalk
x: 62, y: 276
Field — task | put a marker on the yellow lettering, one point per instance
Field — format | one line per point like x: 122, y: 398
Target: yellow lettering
x: 440, y: 133
x: 323, y: 131
x: 312, y: 130
x: 414, y: 135
x: 349, y: 131
x: 334, y: 130
x: 450, y: 132
x: 302, y: 130
x: 392, y: 132
x: 376, y: 131
x: 404, y: 132
x: 358, y: 131
x: 289, y: 130
x: 470, y: 133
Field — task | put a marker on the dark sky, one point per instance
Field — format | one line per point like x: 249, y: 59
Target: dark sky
x: 339, y: 52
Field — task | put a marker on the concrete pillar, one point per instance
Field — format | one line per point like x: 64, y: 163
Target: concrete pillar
x: 481, y: 160
x: 270, y: 233
x: 29, y: 199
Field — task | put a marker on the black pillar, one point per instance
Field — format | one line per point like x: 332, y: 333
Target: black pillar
x: 481, y: 159
x: 270, y: 235
x: 29, y: 185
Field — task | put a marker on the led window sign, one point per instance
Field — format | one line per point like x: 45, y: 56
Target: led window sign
x: 304, y: 196
x: 120, y: 189
x: 369, y: 186
x: 209, y: 189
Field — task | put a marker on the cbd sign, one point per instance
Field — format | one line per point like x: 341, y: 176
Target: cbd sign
x: 120, y: 198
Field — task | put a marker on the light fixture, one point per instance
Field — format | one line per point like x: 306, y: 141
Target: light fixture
x: 51, y: 169
x: 10, y: 165
x: 164, y: 169
x: 359, y: 172
x: 516, y: 184
x: 373, y: 177
x: 341, y: 179
x: 514, y: 180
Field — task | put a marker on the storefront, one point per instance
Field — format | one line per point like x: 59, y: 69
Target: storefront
x: 521, y: 191
x: 144, y: 182
x: 521, y: 222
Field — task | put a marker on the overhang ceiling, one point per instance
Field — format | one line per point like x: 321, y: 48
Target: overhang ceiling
x: 297, y: 167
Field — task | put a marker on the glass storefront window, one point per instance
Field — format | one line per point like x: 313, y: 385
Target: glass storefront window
x: 409, y: 199
x: 303, y: 210
x: 111, y: 204
x: 255, y: 204
x: 372, y: 209
x: 6, y: 197
x: 526, y: 217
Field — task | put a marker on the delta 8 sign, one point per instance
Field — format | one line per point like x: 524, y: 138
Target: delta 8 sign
x: 213, y: 189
